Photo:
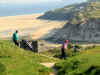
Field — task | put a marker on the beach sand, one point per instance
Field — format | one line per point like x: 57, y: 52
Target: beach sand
x: 28, y: 25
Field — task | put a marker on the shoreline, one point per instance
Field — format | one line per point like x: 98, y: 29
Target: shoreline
x: 21, y: 15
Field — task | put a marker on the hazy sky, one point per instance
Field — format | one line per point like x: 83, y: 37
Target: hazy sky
x: 36, y: 1
x: 17, y: 7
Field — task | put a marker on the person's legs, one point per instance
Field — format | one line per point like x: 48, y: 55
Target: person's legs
x: 16, y: 42
x: 63, y: 54
x: 62, y: 50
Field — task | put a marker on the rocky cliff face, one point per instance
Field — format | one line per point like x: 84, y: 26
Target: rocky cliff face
x: 90, y: 31
x: 83, y: 26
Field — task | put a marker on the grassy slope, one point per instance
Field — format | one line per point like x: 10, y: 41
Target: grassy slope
x: 20, y: 62
x: 87, y: 63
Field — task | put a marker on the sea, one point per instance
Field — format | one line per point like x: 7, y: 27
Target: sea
x: 29, y: 8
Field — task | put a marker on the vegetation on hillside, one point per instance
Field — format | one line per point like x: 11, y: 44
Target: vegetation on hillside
x: 17, y: 61
x: 86, y: 63
x: 92, y: 11
x: 56, y: 52
x: 2, y: 69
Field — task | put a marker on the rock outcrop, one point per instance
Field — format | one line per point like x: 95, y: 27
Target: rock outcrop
x: 83, y: 26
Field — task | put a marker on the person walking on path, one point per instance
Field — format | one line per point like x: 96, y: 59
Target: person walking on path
x: 15, y: 38
x: 64, y: 47
x: 76, y: 48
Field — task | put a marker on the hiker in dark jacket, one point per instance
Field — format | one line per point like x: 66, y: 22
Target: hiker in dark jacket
x: 76, y: 48
x: 15, y: 38
x: 64, y: 47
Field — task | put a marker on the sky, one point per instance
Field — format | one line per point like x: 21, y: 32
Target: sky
x: 17, y: 7
x: 35, y: 1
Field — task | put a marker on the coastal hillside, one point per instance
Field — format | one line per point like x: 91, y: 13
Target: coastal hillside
x: 64, y: 13
x: 82, y: 26
x: 17, y: 61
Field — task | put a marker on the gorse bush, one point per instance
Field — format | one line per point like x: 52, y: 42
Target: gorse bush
x: 73, y: 68
x: 78, y: 46
x: 69, y: 46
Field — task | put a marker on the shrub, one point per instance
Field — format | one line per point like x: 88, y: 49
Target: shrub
x: 69, y: 46
x: 87, y: 63
x: 77, y: 67
x: 90, y: 47
x: 2, y: 69
x: 69, y: 52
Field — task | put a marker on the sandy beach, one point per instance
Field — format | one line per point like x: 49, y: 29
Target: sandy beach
x: 28, y: 25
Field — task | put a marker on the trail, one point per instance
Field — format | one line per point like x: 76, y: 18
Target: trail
x: 50, y: 65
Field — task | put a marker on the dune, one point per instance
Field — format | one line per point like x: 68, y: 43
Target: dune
x: 28, y: 25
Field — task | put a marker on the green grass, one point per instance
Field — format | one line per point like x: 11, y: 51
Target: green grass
x: 56, y: 52
x: 17, y: 61
x: 87, y: 63
x: 2, y: 69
